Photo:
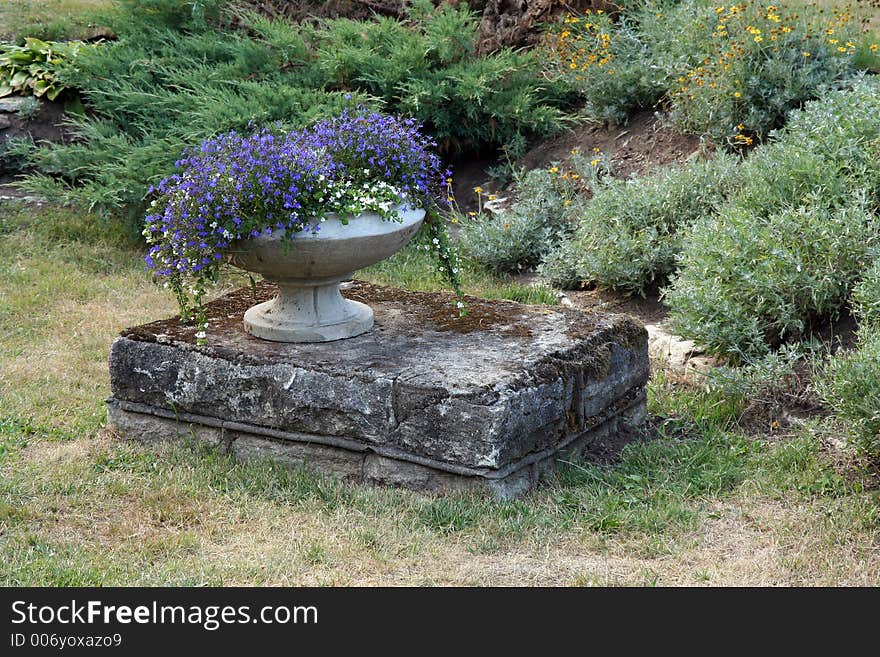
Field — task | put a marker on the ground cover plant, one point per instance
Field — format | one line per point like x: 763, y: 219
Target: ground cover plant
x: 173, y: 77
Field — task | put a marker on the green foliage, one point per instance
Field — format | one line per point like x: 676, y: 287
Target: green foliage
x: 762, y: 61
x: 789, y: 248
x: 518, y: 238
x: 173, y: 78
x: 631, y: 233
x: 14, y: 153
x: 427, y: 69
x: 866, y: 298
x: 773, y: 379
x: 608, y: 62
x: 31, y: 69
x: 850, y: 386
x: 749, y: 281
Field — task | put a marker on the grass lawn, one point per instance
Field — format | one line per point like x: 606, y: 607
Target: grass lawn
x: 54, y: 19
x: 701, y: 504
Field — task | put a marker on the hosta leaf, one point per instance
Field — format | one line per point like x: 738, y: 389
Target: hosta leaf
x: 21, y: 57
x: 5, y: 90
x: 41, y: 87
x: 53, y: 91
x: 37, y: 45
x: 19, y: 79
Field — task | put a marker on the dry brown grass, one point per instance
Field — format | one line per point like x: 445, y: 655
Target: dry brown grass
x: 749, y: 539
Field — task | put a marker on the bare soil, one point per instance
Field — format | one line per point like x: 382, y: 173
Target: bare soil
x: 646, y: 142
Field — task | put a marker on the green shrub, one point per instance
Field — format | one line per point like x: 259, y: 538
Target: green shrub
x: 519, y: 238
x: 608, y: 62
x: 427, y: 69
x: 630, y: 234
x: 850, y: 387
x: 749, y: 281
x: 764, y: 59
x: 866, y: 298
x: 174, y: 77
x: 795, y: 237
x: 14, y: 153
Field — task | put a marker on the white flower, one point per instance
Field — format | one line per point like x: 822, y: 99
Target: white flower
x: 201, y: 335
x: 459, y: 305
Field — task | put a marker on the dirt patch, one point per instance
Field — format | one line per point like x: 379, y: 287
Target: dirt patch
x: 645, y: 142
x: 649, y: 310
x: 46, y: 125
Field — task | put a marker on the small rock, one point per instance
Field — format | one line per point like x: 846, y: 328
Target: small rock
x: 11, y: 104
x: 4, y: 122
x: 496, y: 206
x: 670, y: 349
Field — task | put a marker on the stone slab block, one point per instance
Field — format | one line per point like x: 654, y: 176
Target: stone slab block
x: 427, y: 399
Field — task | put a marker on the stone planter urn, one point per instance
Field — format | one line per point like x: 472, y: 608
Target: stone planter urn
x: 309, y: 306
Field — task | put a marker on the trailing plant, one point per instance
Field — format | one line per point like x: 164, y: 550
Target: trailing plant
x: 235, y: 187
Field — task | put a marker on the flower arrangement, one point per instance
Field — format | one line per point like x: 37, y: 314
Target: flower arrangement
x: 236, y: 186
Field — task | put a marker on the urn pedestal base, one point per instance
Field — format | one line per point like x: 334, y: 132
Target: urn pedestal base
x: 308, y: 311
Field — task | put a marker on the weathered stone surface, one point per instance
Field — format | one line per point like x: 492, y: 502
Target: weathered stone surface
x: 152, y: 429
x: 13, y: 103
x: 423, y: 398
x: 343, y: 463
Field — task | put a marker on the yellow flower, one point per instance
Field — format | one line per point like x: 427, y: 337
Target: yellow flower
x: 478, y: 190
x: 454, y: 220
x: 492, y: 197
x: 758, y: 39
x: 472, y: 214
x: 806, y: 54
x: 736, y: 94
x: 595, y: 162
x: 554, y: 169
x: 449, y: 181
x: 506, y: 226
x: 874, y: 47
